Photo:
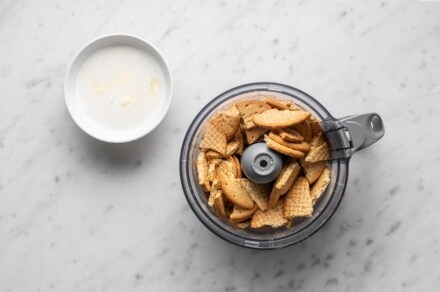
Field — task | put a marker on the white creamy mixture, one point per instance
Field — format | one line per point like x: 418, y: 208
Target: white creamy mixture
x: 120, y: 87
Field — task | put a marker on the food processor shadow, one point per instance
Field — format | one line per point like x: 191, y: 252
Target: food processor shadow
x: 298, y: 262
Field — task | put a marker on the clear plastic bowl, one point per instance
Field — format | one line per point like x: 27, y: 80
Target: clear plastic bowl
x: 267, y: 238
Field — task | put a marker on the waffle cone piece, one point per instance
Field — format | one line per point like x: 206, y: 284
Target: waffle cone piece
x: 312, y: 171
x: 258, y: 192
x: 213, y: 140
x: 240, y: 214
x: 284, y: 181
x: 305, y: 130
x: 321, y: 185
x: 319, y: 153
x: 276, y: 103
x: 253, y: 134
x: 227, y: 121
x: 274, y: 119
x: 235, y: 193
x: 298, y: 202
x: 290, y: 135
x: 272, y: 217
x: 249, y: 108
x: 300, y: 146
x: 202, y: 171
x: 282, y: 149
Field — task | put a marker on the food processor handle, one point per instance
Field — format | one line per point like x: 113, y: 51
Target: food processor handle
x: 363, y: 130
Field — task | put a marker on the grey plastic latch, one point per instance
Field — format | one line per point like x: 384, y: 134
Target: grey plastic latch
x: 261, y: 164
x: 363, y: 130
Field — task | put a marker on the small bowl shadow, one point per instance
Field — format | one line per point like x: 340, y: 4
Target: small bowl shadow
x: 118, y: 156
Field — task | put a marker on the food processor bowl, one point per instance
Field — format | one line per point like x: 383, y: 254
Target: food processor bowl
x: 344, y: 137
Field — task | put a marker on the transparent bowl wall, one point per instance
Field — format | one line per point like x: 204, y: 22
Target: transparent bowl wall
x: 265, y: 238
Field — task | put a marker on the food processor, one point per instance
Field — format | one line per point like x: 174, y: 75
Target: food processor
x: 345, y: 136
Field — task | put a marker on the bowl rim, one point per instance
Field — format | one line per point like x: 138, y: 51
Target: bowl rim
x: 71, y: 98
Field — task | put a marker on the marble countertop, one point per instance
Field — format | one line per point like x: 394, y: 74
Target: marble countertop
x: 81, y: 215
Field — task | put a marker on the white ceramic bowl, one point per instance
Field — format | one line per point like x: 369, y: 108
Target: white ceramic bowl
x: 71, y: 91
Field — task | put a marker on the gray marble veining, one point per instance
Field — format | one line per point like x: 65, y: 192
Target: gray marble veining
x: 81, y: 215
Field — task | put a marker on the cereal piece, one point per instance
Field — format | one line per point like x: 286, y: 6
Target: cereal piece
x: 258, y: 192
x: 290, y: 135
x: 236, y: 193
x: 238, y: 173
x: 227, y: 121
x: 321, y: 185
x: 305, y: 130
x: 243, y: 225
x: 260, y: 139
x: 272, y: 217
x: 295, y: 107
x: 284, y: 181
x: 227, y: 167
x: 298, y: 202
x: 212, y: 168
x: 215, y: 161
x: 276, y: 103
x: 235, y: 168
x: 240, y: 140
x: 316, y: 127
x: 274, y: 118
x: 211, y: 154
x: 213, y: 139
x: 312, y: 171
x: 215, y: 187
x: 316, y: 141
x: 253, y: 134
x: 219, y: 205
x: 239, y: 214
x: 319, y: 153
x: 225, y: 170
x: 282, y: 149
x: 202, y: 171
x: 231, y: 148
x: 212, y: 172
x: 302, y: 146
x: 249, y: 108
